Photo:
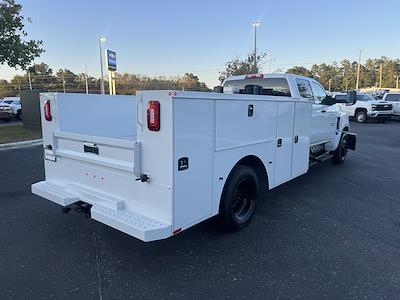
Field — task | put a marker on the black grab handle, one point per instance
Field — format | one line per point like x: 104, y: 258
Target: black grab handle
x: 91, y: 148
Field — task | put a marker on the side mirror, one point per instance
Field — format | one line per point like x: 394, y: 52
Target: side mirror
x: 328, y: 100
x: 218, y: 89
x: 351, y: 97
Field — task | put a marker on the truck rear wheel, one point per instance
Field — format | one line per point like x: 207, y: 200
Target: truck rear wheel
x: 339, y: 155
x: 239, y: 198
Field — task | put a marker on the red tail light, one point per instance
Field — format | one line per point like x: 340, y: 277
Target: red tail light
x: 47, y: 111
x: 153, y: 115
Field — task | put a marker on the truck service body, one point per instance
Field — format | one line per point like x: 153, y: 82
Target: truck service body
x: 156, y: 164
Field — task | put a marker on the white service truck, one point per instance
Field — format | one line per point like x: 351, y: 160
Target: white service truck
x: 158, y: 163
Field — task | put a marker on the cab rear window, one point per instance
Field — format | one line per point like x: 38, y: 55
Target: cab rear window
x: 260, y: 86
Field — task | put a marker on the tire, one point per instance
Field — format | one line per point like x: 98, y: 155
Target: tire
x: 339, y: 155
x: 19, y: 115
x: 361, y: 116
x: 239, y: 198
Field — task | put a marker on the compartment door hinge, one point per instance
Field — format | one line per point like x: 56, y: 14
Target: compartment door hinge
x: 137, y: 162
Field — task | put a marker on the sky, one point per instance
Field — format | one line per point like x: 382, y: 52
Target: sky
x: 170, y: 38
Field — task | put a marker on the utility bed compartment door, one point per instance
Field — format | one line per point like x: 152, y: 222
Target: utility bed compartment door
x: 284, y: 142
x: 193, y: 161
x: 301, y: 140
x: 293, y: 129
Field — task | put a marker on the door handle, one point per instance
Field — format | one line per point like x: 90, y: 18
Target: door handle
x: 90, y: 148
x: 296, y: 139
x: 279, y: 143
x: 323, y: 111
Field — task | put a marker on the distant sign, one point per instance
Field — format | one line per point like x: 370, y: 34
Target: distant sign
x: 111, y: 59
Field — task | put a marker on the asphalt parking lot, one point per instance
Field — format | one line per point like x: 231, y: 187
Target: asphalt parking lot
x: 333, y: 233
x: 12, y: 121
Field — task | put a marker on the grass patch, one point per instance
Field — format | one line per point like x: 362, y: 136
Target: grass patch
x: 17, y: 133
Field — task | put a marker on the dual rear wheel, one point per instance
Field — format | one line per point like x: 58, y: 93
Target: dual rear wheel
x: 239, y: 198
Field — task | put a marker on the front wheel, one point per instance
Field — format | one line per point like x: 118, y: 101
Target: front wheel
x: 361, y: 116
x: 339, y: 155
x: 239, y: 198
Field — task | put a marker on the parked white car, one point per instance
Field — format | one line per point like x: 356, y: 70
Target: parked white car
x: 9, y: 100
x: 16, y: 109
x: 394, y: 99
x: 366, y: 107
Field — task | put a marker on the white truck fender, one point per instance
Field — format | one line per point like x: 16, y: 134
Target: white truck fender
x: 343, y: 125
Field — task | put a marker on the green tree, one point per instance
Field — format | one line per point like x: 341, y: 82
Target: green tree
x: 189, y: 81
x: 6, y: 89
x: 14, y: 50
x: 300, y: 70
x: 243, y: 66
x: 20, y: 82
x: 68, y: 79
x: 42, y: 77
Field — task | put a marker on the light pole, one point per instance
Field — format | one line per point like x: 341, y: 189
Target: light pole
x: 101, y: 40
x: 358, y: 70
x: 86, y: 79
x: 255, y: 25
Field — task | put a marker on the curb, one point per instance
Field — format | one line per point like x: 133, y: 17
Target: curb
x: 18, y: 145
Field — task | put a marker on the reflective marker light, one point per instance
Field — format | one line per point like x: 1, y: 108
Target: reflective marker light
x: 47, y: 111
x: 153, y: 115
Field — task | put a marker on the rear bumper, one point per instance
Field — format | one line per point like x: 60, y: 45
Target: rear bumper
x: 108, y: 211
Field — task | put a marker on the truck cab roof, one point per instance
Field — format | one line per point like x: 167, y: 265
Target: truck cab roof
x: 282, y: 84
x: 260, y: 75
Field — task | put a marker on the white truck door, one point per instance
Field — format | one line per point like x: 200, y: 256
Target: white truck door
x: 317, y: 133
x: 284, y: 142
x: 307, y: 93
x: 325, y: 120
x: 325, y: 124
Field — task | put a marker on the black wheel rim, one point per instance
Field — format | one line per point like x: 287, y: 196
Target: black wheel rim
x: 243, y: 199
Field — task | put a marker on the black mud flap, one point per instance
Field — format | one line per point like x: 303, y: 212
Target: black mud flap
x: 351, y: 141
